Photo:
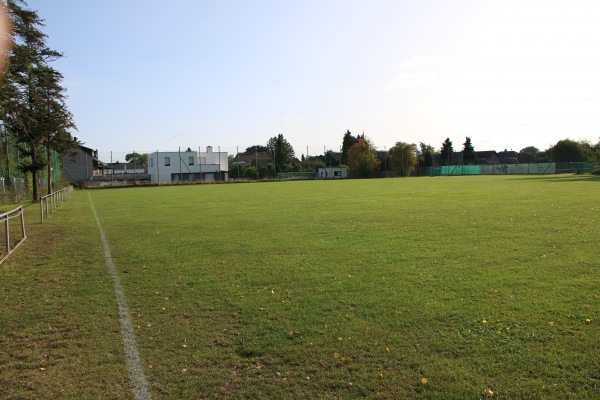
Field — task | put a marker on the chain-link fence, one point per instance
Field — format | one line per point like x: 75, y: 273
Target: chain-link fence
x: 193, y: 163
x: 16, y: 185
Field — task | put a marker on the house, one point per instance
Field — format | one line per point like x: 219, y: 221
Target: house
x: 488, y: 157
x: 178, y: 166
x: 82, y: 166
x: 330, y: 158
x: 333, y: 158
x: 119, y: 168
x: 457, y: 159
x: 257, y: 160
x: 508, y: 157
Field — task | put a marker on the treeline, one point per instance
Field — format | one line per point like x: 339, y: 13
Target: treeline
x: 35, y: 120
x: 360, y: 155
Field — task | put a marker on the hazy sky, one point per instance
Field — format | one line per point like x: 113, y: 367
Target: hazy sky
x: 156, y: 75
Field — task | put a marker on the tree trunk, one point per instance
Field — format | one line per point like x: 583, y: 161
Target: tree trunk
x: 48, y: 157
x: 34, y: 176
x: 36, y: 187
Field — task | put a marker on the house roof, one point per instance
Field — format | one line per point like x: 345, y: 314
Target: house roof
x: 118, y: 166
x: 486, y: 153
x: 507, y: 156
x: 262, y: 157
x: 93, y: 154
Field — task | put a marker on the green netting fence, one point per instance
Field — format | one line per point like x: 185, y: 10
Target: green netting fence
x: 509, y: 169
x: 13, y: 180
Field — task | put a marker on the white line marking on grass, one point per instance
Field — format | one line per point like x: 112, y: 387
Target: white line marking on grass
x: 132, y: 355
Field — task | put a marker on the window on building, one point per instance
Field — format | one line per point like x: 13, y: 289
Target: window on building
x: 167, y: 161
x: 151, y: 162
x: 191, y: 160
x: 337, y: 173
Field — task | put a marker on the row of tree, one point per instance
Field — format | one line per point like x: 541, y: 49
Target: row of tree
x: 33, y: 112
x: 363, y: 159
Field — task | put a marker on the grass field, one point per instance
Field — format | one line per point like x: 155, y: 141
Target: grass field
x: 432, y: 288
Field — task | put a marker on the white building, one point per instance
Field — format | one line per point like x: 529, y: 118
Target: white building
x: 188, y: 166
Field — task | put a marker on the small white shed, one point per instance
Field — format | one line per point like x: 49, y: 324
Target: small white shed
x: 333, y: 173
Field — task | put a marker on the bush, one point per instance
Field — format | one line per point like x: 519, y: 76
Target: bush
x: 596, y: 171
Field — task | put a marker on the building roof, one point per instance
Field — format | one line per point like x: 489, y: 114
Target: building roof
x: 507, y: 156
x: 250, y: 159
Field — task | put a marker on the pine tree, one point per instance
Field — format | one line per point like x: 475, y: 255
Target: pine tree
x: 32, y: 100
x: 282, y: 151
x: 469, y: 156
x: 347, y: 142
x: 447, y: 153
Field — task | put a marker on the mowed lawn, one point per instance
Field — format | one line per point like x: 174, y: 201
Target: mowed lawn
x: 445, y: 287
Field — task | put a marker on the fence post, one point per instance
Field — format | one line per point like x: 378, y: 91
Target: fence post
x: 22, y: 223
x: 7, y: 229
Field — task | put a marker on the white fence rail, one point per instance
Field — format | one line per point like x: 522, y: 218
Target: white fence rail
x: 6, y: 217
x: 51, y: 201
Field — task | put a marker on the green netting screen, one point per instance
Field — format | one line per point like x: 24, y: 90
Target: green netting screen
x: 511, y: 169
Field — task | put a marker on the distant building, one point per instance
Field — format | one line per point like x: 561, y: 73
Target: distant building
x: 119, y: 168
x: 257, y: 160
x: 332, y: 173
x: 508, y: 157
x: 83, y: 166
x: 187, y: 166
x: 488, y: 157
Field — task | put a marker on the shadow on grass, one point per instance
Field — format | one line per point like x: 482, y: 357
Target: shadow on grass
x: 563, y: 178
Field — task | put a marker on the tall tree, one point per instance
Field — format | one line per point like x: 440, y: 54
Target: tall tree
x: 257, y: 148
x: 347, y: 142
x: 426, y: 153
x: 137, y: 158
x: 468, y: 152
x: 596, y: 152
x: 282, y: 151
x: 57, y: 121
x: 447, y: 153
x: 32, y: 100
x: 403, y: 158
x: 567, y: 150
x: 528, y: 155
x: 362, y: 161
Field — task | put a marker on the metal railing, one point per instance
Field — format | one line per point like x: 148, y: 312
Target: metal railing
x: 6, y: 217
x: 53, y: 200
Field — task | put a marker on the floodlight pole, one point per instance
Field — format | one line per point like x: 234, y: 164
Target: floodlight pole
x: 384, y: 162
x: 402, y: 160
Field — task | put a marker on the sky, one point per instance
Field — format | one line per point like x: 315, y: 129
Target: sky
x: 150, y: 75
